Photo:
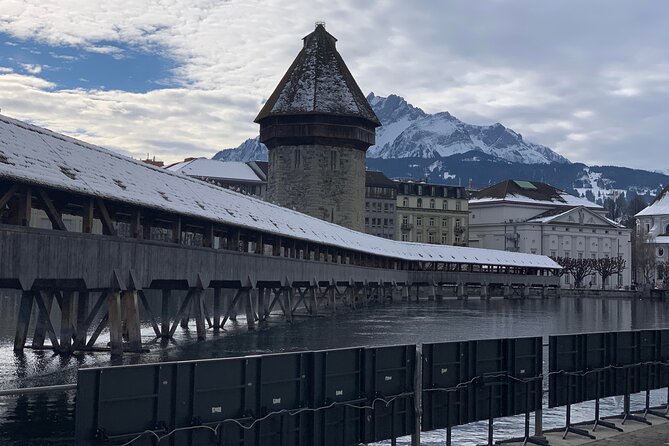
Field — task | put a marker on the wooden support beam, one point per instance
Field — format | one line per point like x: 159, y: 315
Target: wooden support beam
x: 54, y: 214
x: 80, y: 342
x: 248, y: 306
x: 66, y: 321
x: 165, y: 314
x: 88, y: 216
x: 25, y: 207
x: 23, y: 320
x: 40, y: 327
x: 39, y: 299
x: 135, y: 223
x: 198, y: 307
x: 208, y: 236
x: 217, y: 309
x: 4, y: 198
x: 82, y: 316
x: 147, y: 308
x: 182, y: 311
x: 146, y: 226
x: 230, y: 312
x: 101, y: 326
x: 115, y: 329
x: 176, y: 231
x: 107, y: 222
x: 130, y: 304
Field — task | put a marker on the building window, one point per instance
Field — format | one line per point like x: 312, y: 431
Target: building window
x: 366, y: 204
x: 419, y: 237
x: 533, y: 251
x: 445, y: 205
x: 580, y: 255
x: 419, y: 203
x: 566, y: 279
x: 405, y: 220
x: 458, y: 205
x: 553, y: 253
x: 431, y: 221
x: 432, y: 203
x: 666, y: 230
x: 567, y: 254
x: 457, y: 239
x: 444, y: 239
x: 430, y: 238
x: 405, y: 237
x: 385, y: 206
x: 385, y: 222
x: 419, y: 221
x: 366, y: 220
x: 390, y: 221
x: 444, y: 222
x: 405, y: 202
x: 457, y: 223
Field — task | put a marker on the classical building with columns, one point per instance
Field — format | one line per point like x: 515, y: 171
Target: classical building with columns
x: 536, y: 218
x: 317, y: 125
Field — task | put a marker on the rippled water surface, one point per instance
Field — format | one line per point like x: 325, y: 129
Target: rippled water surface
x: 48, y: 418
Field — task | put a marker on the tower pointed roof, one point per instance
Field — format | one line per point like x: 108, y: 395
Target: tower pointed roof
x: 318, y: 82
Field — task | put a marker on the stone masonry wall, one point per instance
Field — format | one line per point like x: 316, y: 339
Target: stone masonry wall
x: 322, y: 181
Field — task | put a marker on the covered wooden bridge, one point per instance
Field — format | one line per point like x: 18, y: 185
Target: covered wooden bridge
x: 118, y: 227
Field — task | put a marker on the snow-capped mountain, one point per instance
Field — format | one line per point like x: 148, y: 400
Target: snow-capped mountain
x: 408, y: 131
x: 250, y: 150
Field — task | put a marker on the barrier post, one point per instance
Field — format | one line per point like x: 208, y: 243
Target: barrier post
x: 418, y: 395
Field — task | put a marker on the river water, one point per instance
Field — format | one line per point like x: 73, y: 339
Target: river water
x: 48, y: 419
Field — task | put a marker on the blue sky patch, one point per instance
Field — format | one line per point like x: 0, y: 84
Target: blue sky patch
x: 102, y: 66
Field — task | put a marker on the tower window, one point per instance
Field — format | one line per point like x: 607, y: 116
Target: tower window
x: 333, y: 160
x: 298, y: 158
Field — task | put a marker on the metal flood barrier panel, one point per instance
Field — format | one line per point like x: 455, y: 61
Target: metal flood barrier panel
x: 472, y: 381
x: 585, y: 367
x: 390, y: 384
x: 327, y: 398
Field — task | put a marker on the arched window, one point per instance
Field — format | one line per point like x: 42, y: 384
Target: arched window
x: 405, y: 202
x: 419, y: 203
x: 666, y: 231
x: 445, y: 205
x: 431, y: 203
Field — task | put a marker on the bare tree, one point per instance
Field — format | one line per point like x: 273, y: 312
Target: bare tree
x: 644, y: 257
x: 608, y: 266
x: 578, y: 268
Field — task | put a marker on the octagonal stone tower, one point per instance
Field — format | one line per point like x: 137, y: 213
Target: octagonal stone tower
x: 318, y: 125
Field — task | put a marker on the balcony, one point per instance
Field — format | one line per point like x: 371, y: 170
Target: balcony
x: 406, y: 226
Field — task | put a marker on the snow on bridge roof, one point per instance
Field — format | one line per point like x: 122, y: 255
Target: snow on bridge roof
x: 208, y: 168
x: 38, y: 156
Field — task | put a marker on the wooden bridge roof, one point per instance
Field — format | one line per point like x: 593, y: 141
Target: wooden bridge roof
x: 30, y: 154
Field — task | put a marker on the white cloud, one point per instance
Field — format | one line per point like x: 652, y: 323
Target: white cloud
x: 534, y: 66
x: 32, y: 68
x: 4, y: 70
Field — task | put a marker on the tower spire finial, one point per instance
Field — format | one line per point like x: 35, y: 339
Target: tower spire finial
x: 320, y: 23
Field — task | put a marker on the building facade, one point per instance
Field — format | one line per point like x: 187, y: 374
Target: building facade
x: 380, y: 202
x: 653, y: 224
x: 431, y: 213
x: 318, y: 126
x: 536, y: 218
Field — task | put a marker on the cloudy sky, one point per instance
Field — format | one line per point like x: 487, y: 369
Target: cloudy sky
x: 178, y: 78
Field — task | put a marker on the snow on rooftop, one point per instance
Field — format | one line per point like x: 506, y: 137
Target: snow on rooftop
x: 565, y: 200
x: 660, y: 206
x: 41, y: 157
x: 227, y: 170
